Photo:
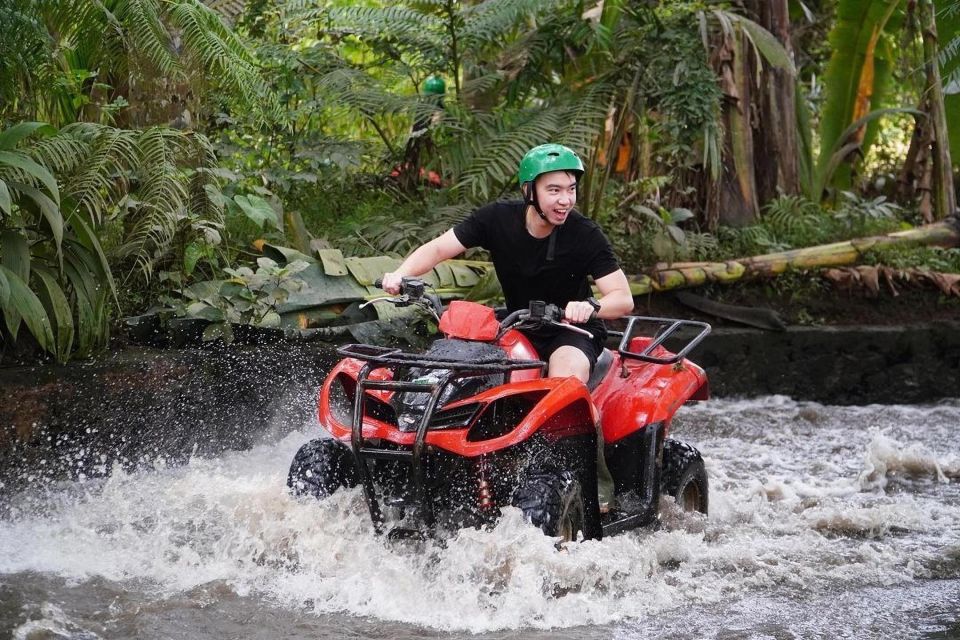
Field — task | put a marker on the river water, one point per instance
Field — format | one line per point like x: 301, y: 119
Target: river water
x: 825, y: 522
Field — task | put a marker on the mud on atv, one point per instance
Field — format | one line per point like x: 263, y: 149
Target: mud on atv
x: 446, y: 438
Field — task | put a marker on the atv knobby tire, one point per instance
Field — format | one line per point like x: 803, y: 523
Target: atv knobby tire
x: 321, y: 467
x: 683, y: 476
x: 552, y: 501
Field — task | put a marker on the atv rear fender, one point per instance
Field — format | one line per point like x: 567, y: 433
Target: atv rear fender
x: 635, y: 394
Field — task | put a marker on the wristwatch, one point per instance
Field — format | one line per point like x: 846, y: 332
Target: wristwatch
x: 593, y: 302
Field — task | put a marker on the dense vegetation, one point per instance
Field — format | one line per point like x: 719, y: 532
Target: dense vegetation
x: 146, y: 144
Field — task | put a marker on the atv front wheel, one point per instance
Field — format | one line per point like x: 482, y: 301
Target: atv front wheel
x: 553, y: 501
x: 321, y: 467
x: 683, y: 476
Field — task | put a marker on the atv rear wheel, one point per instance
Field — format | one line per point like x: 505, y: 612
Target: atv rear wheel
x: 552, y: 501
x: 321, y: 467
x: 683, y: 476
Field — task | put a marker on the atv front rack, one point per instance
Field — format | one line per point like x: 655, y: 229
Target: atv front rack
x: 667, y: 327
x: 375, y: 357
x: 386, y: 356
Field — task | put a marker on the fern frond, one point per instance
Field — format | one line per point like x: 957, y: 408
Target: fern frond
x: 950, y: 49
x: 353, y: 88
x: 162, y: 199
x: 222, y: 53
x: 487, y: 22
x: 496, y: 161
x: 145, y: 33
x: 62, y: 154
x: 103, y: 177
x: 385, y: 22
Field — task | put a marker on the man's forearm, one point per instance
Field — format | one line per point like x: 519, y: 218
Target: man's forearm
x: 423, y: 259
x: 615, y: 304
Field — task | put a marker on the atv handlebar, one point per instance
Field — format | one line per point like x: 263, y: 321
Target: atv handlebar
x: 539, y: 314
x: 413, y: 291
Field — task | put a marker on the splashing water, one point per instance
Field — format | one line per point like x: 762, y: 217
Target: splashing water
x: 808, y: 503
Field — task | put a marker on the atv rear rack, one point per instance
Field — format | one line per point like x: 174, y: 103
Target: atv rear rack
x: 668, y: 326
x: 375, y: 357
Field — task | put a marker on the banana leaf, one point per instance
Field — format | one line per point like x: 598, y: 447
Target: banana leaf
x: 860, y: 67
x: 948, y: 35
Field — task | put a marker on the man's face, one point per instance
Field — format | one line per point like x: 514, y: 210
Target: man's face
x: 557, y: 195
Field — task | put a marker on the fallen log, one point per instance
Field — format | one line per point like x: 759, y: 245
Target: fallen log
x: 684, y: 275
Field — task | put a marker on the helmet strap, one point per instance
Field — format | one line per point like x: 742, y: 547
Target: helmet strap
x: 530, y: 199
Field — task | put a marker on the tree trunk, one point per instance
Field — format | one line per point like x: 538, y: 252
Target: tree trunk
x: 944, y: 197
x: 733, y: 200
x: 776, y: 131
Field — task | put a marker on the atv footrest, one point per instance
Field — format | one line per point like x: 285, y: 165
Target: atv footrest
x: 386, y: 454
x: 398, y: 534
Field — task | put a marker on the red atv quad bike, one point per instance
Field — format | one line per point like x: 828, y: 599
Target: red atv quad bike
x: 443, y: 439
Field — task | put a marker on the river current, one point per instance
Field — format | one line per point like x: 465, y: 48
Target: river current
x: 825, y: 522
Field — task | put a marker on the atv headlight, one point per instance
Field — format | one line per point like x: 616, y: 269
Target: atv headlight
x: 502, y: 417
x: 343, y: 391
x: 343, y: 394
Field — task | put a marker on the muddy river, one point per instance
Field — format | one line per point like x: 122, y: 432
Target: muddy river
x: 825, y: 522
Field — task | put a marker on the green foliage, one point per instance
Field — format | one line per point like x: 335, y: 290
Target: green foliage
x: 906, y: 257
x: 248, y: 297
x: 146, y: 194
x: 643, y: 231
x: 862, y: 214
x: 73, y: 60
x: 792, y: 222
x: 46, y: 256
x: 832, y: 158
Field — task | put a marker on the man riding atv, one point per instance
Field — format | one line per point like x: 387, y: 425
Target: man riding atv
x: 543, y: 249
x: 447, y: 437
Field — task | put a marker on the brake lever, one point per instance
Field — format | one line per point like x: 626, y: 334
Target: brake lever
x: 405, y: 301
x: 570, y: 327
x: 395, y: 300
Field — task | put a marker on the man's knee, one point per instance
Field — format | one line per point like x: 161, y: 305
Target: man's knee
x: 569, y: 361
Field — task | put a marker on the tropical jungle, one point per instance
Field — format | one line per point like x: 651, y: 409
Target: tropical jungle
x: 195, y: 159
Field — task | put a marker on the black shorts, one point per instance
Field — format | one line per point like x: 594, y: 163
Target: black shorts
x: 548, y: 340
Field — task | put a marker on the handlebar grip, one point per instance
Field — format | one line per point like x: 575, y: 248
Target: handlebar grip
x: 378, y: 283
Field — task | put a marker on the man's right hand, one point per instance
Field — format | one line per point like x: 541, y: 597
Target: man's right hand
x: 391, y: 283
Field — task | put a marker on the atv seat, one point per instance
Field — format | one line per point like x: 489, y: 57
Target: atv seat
x: 600, y: 369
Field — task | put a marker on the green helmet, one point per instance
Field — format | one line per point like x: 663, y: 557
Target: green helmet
x: 434, y: 86
x: 547, y: 158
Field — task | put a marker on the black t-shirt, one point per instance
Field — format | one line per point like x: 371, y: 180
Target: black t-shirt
x: 520, y: 260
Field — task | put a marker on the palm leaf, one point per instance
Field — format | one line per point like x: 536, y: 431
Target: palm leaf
x: 92, y: 330
x: 57, y: 308
x: 9, y: 138
x: 91, y: 243
x: 30, y: 168
x: 49, y: 209
x: 22, y: 303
